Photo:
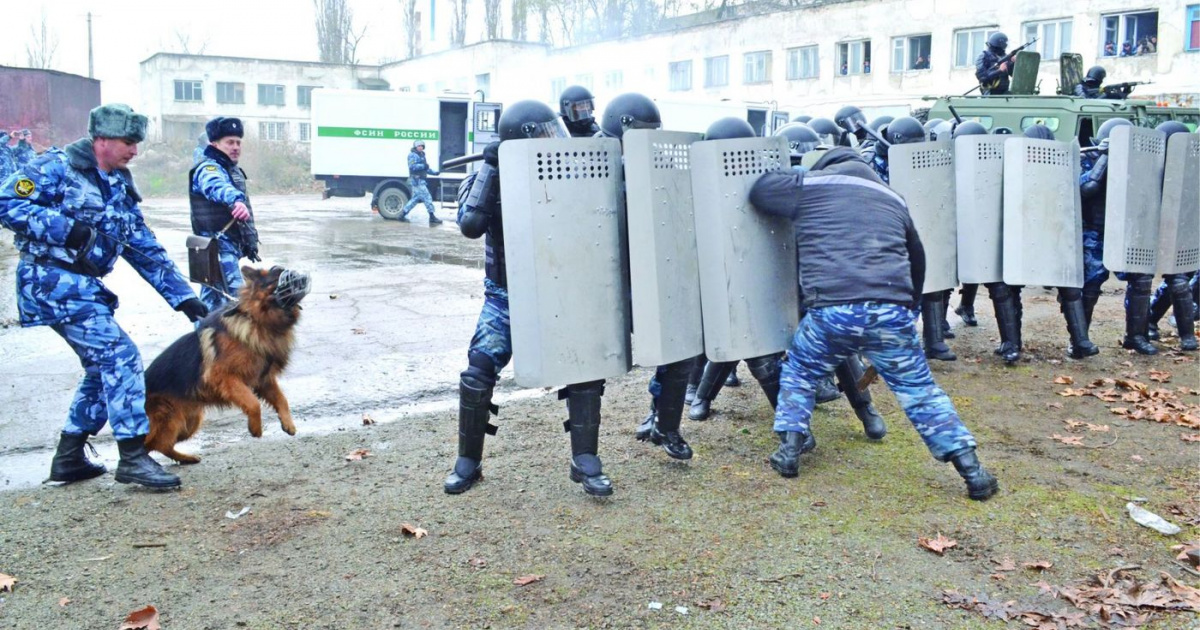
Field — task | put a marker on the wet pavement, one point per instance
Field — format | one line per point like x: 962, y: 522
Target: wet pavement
x: 384, y: 331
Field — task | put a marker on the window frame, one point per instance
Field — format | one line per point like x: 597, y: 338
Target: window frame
x: 840, y: 57
x: 672, y: 86
x: 184, y: 86
x: 795, y: 62
x: 1122, y: 33
x: 756, y: 60
x: 239, y: 89
x: 305, y: 103
x: 1191, y: 15
x: 272, y: 131
x: 907, y: 61
x: 709, y: 63
x: 278, y: 89
x: 1041, y: 25
x: 972, y: 51
x: 304, y: 134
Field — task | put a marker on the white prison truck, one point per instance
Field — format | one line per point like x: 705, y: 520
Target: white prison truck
x: 361, y: 140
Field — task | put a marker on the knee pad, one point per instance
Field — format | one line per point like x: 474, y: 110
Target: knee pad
x: 1069, y: 294
x: 480, y: 372
x: 764, y: 368
x: 999, y: 291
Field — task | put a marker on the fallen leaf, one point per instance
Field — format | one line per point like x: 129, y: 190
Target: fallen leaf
x: 712, y: 605
x: 817, y: 620
x: 368, y: 420
x: 1070, y: 440
x: 1005, y: 564
x: 1074, y: 424
x: 1131, y: 384
x: 144, y: 619
x: 999, y: 577
x: 818, y: 504
x: 1136, y: 458
x: 938, y: 544
x: 413, y: 531
x: 1054, y: 405
x: 1127, y: 363
x: 528, y: 579
x: 7, y: 582
x: 1098, y: 428
x: 1120, y: 411
x: 1073, y: 392
x: 358, y: 454
x: 1040, y: 565
x: 1159, y: 376
x: 1064, y: 380
x: 1190, y: 437
x: 477, y: 562
x: 1188, y: 552
x: 64, y: 601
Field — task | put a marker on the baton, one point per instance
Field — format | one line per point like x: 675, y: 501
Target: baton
x: 460, y: 161
x: 953, y: 112
x: 874, y: 135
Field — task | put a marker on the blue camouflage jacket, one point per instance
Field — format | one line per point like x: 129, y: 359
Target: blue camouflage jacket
x: 418, y: 167
x: 42, y: 201
x: 8, y: 163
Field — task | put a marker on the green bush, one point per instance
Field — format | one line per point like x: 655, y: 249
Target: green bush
x: 272, y: 168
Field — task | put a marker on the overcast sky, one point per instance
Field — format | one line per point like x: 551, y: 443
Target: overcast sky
x: 125, y: 32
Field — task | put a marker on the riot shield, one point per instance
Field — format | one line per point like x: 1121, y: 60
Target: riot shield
x: 924, y: 174
x: 664, y: 273
x: 1043, y: 221
x: 1179, y: 224
x: 979, y: 190
x: 564, y: 236
x: 1136, y: 157
x: 748, y: 284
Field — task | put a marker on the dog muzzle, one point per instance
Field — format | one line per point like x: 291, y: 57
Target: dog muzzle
x: 291, y: 288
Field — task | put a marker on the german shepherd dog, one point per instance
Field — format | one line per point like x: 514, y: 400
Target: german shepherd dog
x: 233, y: 358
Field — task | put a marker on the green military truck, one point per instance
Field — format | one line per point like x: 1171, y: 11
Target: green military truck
x: 1066, y: 115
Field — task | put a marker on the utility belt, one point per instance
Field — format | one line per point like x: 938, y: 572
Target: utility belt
x: 75, y: 267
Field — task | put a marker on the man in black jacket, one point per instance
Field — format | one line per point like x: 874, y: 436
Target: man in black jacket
x: 993, y: 75
x: 863, y: 267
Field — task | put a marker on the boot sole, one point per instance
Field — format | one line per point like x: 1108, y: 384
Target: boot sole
x: 786, y: 473
x: 578, y: 477
x: 475, y: 478
x: 169, y: 484
x: 984, y: 495
x: 91, y: 474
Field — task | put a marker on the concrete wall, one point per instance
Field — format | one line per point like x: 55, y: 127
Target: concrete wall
x: 53, y: 105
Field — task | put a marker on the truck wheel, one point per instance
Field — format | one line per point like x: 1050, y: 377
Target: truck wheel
x: 390, y: 202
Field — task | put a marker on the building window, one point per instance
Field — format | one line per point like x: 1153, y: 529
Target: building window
x: 854, y: 57
x: 1055, y: 37
x: 483, y: 82
x: 189, y: 91
x: 231, y: 93
x: 613, y: 80
x: 910, y: 53
x: 681, y: 76
x: 1191, y: 36
x: 270, y: 94
x: 757, y: 68
x: 716, y: 71
x: 304, y: 95
x: 1130, y: 34
x: 968, y: 43
x: 557, y: 86
x: 304, y: 132
x: 273, y: 131
x: 802, y: 63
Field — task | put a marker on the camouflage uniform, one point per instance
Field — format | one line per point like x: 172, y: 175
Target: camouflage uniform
x: 418, y: 168
x: 493, y: 336
x: 887, y: 335
x: 23, y: 153
x: 212, y: 181
x: 8, y: 165
x: 41, y: 203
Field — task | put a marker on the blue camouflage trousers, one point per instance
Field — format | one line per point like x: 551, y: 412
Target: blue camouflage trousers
x: 230, y: 255
x: 1094, y: 271
x: 493, y: 335
x: 113, y: 389
x: 887, y: 335
x: 420, y: 194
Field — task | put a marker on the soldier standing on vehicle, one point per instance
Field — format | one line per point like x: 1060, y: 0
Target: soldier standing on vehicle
x: 1090, y: 87
x: 74, y: 212
x: 418, y: 170
x: 219, y: 198
x: 859, y: 306
x: 991, y: 74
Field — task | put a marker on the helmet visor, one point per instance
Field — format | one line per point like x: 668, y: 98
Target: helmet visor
x: 798, y: 149
x: 549, y: 129
x: 629, y: 122
x: 580, y: 110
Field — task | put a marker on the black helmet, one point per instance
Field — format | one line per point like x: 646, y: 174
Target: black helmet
x: 1109, y: 125
x: 879, y: 122
x: 729, y: 127
x: 1002, y: 131
x: 576, y: 104
x: 1172, y: 127
x: 904, y: 130
x: 931, y: 123
x: 941, y: 131
x: 802, y: 119
x: 1095, y: 76
x: 825, y: 127
x: 998, y: 40
x: 1039, y: 132
x: 530, y: 119
x: 629, y: 111
x: 801, y: 138
x: 969, y: 128
x: 850, y: 118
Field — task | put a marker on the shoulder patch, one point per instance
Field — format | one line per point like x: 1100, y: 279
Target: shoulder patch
x: 211, y: 167
x: 24, y: 187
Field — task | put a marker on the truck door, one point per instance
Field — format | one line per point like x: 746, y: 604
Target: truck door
x: 485, y: 127
x: 452, y: 130
x: 778, y: 119
x: 758, y: 120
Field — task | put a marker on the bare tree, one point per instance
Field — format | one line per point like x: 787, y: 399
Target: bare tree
x: 520, y: 19
x: 184, y: 42
x: 41, y: 48
x: 491, y: 18
x: 336, y: 40
x: 412, y: 28
x: 458, y: 23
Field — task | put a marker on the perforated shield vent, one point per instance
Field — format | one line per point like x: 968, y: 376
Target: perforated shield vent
x: 573, y: 165
x: 1047, y: 155
x: 932, y: 159
x: 1139, y: 256
x: 671, y: 156
x: 988, y: 152
x: 750, y: 162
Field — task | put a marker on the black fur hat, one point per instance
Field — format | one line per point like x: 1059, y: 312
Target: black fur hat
x: 221, y: 126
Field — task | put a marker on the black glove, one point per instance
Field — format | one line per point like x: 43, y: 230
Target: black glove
x: 251, y: 252
x: 80, y: 235
x: 491, y: 154
x: 193, y: 308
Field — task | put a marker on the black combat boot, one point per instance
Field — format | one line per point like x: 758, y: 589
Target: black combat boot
x: 1072, y: 310
x: 1137, y: 315
x: 732, y: 380
x: 1004, y: 301
x: 583, y: 423
x: 136, y: 466
x: 966, y: 304
x: 474, y: 407
x: 765, y: 370
x: 1159, y: 308
x: 931, y: 327
x: 849, y: 373
x: 792, y: 444
x: 947, y: 332
x: 826, y: 390
x: 694, y: 375
x: 1089, y: 307
x: 661, y: 428
x: 1185, y: 315
x: 71, y: 463
x: 433, y: 220
x: 710, y: 385
x: 981, y: 485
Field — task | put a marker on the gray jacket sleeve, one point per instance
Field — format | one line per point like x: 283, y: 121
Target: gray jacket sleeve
x: 778, y: 193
